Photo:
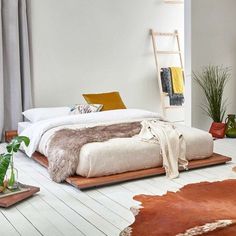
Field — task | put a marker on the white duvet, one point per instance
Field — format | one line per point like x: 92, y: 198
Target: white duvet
x: 36, y: 130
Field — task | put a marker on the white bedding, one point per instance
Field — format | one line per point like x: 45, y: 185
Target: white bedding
x: 116, y: 155
x: 36, y: 130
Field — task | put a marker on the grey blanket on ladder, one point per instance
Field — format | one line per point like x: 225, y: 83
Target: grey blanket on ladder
x: 176, y: 99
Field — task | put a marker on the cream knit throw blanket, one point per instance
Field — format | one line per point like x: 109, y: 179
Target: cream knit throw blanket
x: 171, y: 141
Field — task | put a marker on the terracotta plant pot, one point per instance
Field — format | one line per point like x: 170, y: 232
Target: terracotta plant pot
x: 217, y: 130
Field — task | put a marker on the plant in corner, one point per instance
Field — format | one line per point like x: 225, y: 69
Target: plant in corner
x: 212, y: 80
x: 7, y: 164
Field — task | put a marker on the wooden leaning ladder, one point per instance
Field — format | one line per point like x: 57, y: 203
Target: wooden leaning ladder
x: 157, y: 52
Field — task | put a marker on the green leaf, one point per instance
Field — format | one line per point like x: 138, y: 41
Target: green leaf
x: 24, y: 139
x: 5, y: 159
x: 14, y: 145
x: 7, y: 155
x: 9, y: 148
x: 4, y: 163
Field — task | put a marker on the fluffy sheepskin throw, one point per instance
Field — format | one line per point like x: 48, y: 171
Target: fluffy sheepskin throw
x: 64, y: 147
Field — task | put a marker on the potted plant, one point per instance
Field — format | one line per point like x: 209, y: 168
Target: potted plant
x: 212, y: 80
x: 7, y: 163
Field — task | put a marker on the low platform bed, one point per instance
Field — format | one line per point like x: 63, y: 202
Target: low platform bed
x: 84, y: 183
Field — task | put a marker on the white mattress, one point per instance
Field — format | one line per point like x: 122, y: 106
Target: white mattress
x: 22, y: 126
x: 128, y: 154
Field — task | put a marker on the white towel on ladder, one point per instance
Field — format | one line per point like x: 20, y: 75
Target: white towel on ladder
x: 171, y: 141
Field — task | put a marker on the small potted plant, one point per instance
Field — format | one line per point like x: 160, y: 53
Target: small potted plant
x: 7, y: 164
x: 212, y: 80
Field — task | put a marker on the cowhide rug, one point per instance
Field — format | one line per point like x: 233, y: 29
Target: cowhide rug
x: 196, y: 209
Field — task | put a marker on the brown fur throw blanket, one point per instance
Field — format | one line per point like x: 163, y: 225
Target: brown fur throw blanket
x: 64, y: 147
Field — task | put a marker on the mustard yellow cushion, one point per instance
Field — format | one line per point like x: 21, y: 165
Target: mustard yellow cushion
x: 110, y: 101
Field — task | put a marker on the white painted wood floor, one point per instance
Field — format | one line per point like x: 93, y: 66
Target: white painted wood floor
x: 60, y: 209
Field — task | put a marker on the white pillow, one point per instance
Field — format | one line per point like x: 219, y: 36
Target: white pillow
x: 37, y: 114
x: 85, y: 108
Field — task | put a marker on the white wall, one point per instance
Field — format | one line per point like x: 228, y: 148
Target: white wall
x: 213, y: 41
x: 188, y: 62
x: 92, y: 46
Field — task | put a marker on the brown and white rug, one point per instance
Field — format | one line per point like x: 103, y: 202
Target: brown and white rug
x: 197, y: 209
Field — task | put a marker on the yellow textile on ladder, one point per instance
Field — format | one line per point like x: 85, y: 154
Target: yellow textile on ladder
x: 177, y: 79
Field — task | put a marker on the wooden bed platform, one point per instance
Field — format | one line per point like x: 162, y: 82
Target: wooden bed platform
x: 84, y: 183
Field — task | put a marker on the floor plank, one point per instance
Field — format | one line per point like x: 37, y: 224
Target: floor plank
x: 37, y: 219
x: 22, y: 225
x: 6, y: 228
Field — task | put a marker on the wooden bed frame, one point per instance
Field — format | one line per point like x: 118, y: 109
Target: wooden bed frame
x: 84, y: 183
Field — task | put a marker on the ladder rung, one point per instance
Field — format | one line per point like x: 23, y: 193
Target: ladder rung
x: 174, y: 2
x: 168, y: 52
x: 170, y: 66
x: 165, y: 94
x: 174, y: 107
x: 164, y: 34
